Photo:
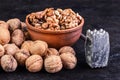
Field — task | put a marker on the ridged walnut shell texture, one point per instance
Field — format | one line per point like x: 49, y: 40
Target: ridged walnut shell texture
x: 66, y: 49
x: 51, y: 51
x: 21, y: 56
x: 8, y: 63
x: 18, y: 37
x: 10, y: 49
x: 53, y: 64
x: 69, y: 60
x: 26, y: 45
x: 38, y: 47
x: 34, y: 63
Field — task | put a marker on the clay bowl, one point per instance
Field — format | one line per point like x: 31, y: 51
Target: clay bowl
x: 56, y: 39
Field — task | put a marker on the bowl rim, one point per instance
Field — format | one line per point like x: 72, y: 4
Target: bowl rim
x: 29, y: 26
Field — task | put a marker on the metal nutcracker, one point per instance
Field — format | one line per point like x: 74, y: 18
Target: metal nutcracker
x: 97, y: 48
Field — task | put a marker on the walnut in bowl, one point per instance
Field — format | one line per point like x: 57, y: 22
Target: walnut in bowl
x: 57, y: 27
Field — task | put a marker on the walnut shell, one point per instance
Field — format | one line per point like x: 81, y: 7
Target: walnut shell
x: 2, y: 51
x: 14, y: 24
x: 66, y: 49
x: 34, y: 63
x: 4, y: 24
x: 25, y: 31
x: 17, y: 37
x: 4, y: 36
x: 69, y: 60
x: 40, y: 41
x: 21, y: 56
x: 39, y: 47
x: 23, y: 27
x: 53, y: 64
x: 10, y: 49
x: 51, y: 51
x: 8, y: 63
x: 27, y: 36
x: 0, y: 62
x: 26, y: 45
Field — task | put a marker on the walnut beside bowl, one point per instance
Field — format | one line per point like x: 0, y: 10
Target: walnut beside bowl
x: 56, y: 39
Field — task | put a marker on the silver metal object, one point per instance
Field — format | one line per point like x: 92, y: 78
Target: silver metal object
x: 97, y: 48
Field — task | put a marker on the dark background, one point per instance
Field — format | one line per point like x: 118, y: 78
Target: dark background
x: 97, y: 14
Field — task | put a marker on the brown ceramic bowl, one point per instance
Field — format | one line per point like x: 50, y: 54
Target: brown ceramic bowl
x: 56, y: 39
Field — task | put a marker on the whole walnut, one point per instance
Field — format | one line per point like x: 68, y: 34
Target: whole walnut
x: 4, y: 36
x: 4, y: 24
x: 8, y: 63
x: 23, y: 27
x: 51, y: 51
x: 40, y: 41
x: 26, y: 45
x: 25, y: 31
x: 53, y: 64
x: 14, y: 23
x: 2, y: 51
x: 69, y: 60
x: 0, y: 62
x: 66, y: 49
x: 21, y: 56
x: 38, y: 47
x: 10, y: 49
x: 34, y: 63
x: 17, y: 37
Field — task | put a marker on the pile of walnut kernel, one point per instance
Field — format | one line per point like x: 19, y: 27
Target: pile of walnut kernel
x: 17, y: 49
x: 51, y: 19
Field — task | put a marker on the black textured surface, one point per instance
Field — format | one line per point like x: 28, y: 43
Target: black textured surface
x: 97, y: 13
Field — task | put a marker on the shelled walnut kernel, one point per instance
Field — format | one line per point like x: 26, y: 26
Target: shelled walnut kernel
x: 51, y: 19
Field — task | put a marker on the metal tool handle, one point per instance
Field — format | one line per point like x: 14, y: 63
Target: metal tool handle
x: 83, y: 37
